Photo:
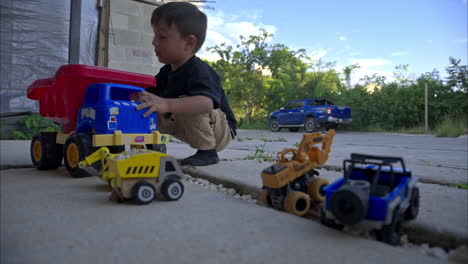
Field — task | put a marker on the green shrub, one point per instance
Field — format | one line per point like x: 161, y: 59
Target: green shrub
x: 255, y: 124
x: 450, y: 128
x: 33, y: 124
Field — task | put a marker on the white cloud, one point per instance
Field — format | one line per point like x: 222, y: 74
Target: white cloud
x: 399, y: 53
x: 228, y: 29
x: 365, y: 63
x: 317, y: 54
x: 343, y: 38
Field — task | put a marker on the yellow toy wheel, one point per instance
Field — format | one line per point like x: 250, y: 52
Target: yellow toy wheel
x: 72, y: 155
x: 77, y: 147
x: 36, y: 150
x: 45, y: 153
x: 297, y: 203
x: 315, y: 189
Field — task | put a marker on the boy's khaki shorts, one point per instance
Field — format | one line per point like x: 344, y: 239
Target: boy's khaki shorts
x: 203, y: 132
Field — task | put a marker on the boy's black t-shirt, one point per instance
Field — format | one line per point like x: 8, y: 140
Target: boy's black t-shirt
x: 195, y: 77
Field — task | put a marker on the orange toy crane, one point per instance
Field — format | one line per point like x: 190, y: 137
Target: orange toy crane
x: 288, y: 182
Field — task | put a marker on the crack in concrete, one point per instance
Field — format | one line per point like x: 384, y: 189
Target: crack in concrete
x: 418, y: 234
x: 403, y: 147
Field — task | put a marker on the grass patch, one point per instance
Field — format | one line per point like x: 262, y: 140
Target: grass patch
x: 462, y: 186
x: 414, y: 130
x: 375, y: 128
x: 261, y: 154
x: 450, y: 128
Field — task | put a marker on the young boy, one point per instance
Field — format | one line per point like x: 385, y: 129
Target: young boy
x: 188, y: 97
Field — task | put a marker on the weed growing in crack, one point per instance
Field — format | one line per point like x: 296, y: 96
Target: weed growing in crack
x: 425, y: 162
x: 260, y: 154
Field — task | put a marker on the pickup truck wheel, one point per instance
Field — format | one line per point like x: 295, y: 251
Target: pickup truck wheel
x: 391, y: 234
x: 413, y: 209
x: 274, y: 125
x: 172, y: 189
x: 310, y: 125
x: 329, y: 222
x: 297, y: 203
x: 347, y: 207
x: 46, y: 154
x: 315, y: 188
x: 293, y: 129
x: 143, y: 192
x: 76, y: 148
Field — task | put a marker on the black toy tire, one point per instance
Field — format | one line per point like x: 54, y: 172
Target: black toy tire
x: 413, y: 209
x: 310, y: 125
x: 293, y: 129
x: 274, y: 125
x: 143, y: 193
x: 77, y: 147
x: 157, y: 147
x: 265, y: 198
x: 391, y: 234
x: 347, y: 207
x: 46, y: 154
x: 172, y: 189
x: 328, y: 222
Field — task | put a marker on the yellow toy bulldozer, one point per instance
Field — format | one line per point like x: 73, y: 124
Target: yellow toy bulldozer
x: 138, y: 174
x: 289, y: 182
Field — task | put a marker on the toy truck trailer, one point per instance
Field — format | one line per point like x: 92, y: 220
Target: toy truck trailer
x: 372, y: 195
x: 288, y: 183
x: 93, y: 105
x: 138, y: 174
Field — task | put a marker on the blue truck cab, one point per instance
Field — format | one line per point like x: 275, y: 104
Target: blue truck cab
x: 310, y: 114
x: 108, y: 107
x: 373, y: 194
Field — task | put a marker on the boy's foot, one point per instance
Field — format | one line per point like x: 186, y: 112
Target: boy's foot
x: 202, y: 158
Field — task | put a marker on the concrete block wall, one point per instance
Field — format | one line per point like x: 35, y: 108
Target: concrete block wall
x: 130, y: 36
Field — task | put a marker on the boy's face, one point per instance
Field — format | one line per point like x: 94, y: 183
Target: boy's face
x: 170, y: 46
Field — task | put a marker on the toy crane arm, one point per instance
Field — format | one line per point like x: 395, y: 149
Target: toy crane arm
x: 320, y: 156
x: 99, y: 154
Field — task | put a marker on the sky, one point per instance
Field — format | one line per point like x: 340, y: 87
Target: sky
x: 378, y: 35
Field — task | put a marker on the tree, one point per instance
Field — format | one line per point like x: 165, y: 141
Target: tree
x: 252, y: 91
x: 347, y: 72
x: 458, y: 75
x: 401, y: 74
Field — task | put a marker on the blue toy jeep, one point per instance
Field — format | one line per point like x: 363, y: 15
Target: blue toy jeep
x: 373, y: 194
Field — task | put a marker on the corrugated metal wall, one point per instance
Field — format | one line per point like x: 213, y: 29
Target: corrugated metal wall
x: 34, y: 43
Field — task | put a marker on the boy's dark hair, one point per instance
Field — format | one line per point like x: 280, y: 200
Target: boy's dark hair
x: 188, y: 19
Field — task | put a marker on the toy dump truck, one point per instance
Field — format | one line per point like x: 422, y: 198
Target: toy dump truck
x: 288, y: 183
x: 94, y: 107
x: 138, y: 174
x: 373, y: 194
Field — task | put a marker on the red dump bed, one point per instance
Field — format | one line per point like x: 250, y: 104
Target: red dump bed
x: 60, y: 97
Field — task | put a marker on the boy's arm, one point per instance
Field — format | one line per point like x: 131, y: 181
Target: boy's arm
x: 198, y: 104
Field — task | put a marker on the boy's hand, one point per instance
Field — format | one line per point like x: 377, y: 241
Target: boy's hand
x: 153, y: 102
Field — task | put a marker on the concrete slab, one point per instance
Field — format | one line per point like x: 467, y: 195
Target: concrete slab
x: 48, y: 217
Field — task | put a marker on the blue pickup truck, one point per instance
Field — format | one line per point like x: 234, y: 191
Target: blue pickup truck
x: 310, y: 114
